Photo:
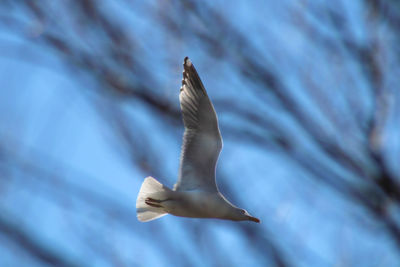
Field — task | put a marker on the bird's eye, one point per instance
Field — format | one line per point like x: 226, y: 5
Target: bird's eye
x: 243, y: 211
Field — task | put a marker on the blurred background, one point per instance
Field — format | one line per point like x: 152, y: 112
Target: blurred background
x: 308, y: 103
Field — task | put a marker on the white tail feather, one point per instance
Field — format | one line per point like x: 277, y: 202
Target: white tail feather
x: 145, y: 212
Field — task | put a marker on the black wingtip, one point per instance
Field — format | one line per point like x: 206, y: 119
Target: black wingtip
x: 187, y: 62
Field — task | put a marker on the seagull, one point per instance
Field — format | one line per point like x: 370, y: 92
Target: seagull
x: 195, y: 195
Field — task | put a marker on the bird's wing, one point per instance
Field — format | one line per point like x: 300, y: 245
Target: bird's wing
x: 202, y: 140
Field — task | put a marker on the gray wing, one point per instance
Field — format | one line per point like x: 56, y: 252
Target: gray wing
x: 202, y: 140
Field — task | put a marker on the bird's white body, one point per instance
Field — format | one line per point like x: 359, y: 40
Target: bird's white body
x: 195, y: 194
x: 198, y: 204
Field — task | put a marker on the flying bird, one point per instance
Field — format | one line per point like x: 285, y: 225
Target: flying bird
x: 195, y: 194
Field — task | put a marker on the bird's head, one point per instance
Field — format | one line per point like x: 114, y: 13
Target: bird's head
x: 243, y: 215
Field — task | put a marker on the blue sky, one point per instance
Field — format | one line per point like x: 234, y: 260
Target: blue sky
x: 71, y: 183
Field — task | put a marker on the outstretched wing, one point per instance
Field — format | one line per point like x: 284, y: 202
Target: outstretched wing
x: 202, y: 140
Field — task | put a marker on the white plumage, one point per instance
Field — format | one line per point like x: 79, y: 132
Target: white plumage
x: 195, y: 194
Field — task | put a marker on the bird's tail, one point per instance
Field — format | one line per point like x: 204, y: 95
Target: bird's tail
x: 144, y: 211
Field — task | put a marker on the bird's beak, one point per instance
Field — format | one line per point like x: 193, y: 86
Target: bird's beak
x: 251, y: 218
x: 254, y: 219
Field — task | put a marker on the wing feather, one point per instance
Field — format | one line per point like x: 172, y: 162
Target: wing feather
x: 202, y: 140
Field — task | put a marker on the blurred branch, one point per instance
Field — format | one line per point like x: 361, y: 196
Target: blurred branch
x: 34, y: 246
x: 99, y: 47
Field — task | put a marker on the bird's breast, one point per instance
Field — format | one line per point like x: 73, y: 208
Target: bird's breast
x: 196, y: 204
